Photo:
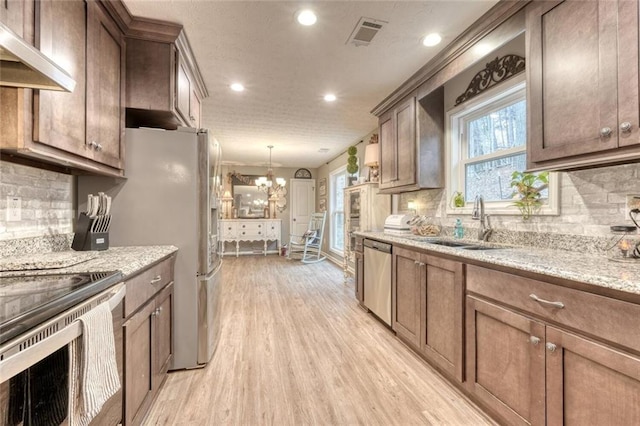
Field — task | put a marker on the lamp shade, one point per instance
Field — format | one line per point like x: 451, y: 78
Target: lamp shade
x: 371, y: 155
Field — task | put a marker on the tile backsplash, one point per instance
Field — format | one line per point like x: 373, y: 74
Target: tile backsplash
x: 590, y: 202
x: 46, y: 201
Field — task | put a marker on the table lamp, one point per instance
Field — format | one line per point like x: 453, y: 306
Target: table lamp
x: 371, y: 160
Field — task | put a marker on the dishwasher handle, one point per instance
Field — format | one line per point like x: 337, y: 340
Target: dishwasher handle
x: 377, y: 245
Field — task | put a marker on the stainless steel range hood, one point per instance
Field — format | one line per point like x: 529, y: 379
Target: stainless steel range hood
x: 22, y: 65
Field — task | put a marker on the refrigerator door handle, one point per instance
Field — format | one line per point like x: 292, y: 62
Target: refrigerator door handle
x: 210, y: 274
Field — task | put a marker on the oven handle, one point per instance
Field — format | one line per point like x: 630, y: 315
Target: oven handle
x: 39, y: 351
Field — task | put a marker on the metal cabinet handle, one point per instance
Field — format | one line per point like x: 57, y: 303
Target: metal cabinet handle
x: 558, y: 305
x: 93, y: 144
x: 192, y: 118
x: 605, y: 132
x: 415, y: 262
x: 534, y: 340
x: 156, y: 279
x: 551, y: 347
x: 625, y: 127
x: 99, y: 147
x: 422, y: 264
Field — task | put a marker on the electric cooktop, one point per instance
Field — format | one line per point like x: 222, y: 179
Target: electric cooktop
x: 28, y: 300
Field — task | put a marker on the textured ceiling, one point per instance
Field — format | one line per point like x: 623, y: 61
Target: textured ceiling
x: 287, y: 68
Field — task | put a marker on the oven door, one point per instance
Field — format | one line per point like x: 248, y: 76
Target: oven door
x: 34, y: 370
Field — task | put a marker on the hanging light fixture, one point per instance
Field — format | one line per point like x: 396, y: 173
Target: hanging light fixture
x: 270, y: 184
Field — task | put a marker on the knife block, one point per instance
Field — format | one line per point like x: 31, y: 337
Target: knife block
x: 85, y: 239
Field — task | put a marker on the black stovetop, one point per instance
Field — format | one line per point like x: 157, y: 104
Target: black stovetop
x: 28, y: 300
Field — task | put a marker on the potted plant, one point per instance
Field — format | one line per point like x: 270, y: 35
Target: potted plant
x: 527, y: 191
x: 352, y: 163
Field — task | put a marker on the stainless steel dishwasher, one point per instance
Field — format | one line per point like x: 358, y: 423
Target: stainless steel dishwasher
x: 377, y: 279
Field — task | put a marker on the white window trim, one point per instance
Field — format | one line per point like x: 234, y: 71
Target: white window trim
x: 339, y: 170
x: 511, y: 90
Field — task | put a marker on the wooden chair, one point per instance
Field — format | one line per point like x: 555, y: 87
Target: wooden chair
x: 308, y: 246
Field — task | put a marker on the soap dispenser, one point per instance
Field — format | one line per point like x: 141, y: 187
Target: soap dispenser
x: 458, y: 230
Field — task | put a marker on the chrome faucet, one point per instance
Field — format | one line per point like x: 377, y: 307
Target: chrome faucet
x: 478, y: 214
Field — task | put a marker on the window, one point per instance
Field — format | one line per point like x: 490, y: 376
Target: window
x: 487, y: 143
x: 337, y: 183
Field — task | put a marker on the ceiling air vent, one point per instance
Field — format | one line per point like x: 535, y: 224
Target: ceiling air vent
x: 364, y: 31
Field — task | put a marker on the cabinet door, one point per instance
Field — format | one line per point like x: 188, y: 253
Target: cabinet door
x: 59, y: 117
x: 12, y: 15
x: 590, y: 383
x: 359, y: 281
x: 183, y: 90
x: 138, y: 364
x: 105, y: 87
x: 505, y: 365
x: 388, y: 149
x: 405, y: 132
x: 442, y: 300
x: 406, y: 285
x: 629, y: 72
x: 163, y: 337
x: 194, y: 109
x: 572, y: 78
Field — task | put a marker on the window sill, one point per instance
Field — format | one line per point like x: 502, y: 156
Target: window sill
x: 502, y: 211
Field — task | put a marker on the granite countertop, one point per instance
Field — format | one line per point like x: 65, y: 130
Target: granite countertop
x: 128, y: 260
x: 585, y: 268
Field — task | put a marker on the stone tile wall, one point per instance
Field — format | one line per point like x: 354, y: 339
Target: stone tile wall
x: 590, y: 202
x: 47, y: 201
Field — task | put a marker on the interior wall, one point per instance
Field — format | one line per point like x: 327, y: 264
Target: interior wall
x: 47, y: 201
x: 325, y: 170
x: 284, y: 172
x: 590, y: 202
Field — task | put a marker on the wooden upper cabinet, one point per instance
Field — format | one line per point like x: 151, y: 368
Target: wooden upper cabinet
x: 164, y: 85
x: 59, y: 117
x: 82, y: 129
x: 105, y: 87
x: 582, y: 75
x: 412, y: 144
x: 12, y: 13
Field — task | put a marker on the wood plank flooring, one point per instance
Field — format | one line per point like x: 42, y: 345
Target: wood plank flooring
x: 296, y: 349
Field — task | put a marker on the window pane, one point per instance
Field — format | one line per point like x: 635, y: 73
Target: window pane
x: 338, y: 234
x: 501, y: 129
x: 492, y: 179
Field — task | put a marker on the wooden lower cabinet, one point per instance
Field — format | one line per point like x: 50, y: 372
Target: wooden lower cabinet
x: 589, y: 382
x: 406, y: 277
x: 148, y: 349
x: 532, y: 373
x: 427, y: 307
x: 505, y: 362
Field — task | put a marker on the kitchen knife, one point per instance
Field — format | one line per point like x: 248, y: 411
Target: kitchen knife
x: 108, y: 205
x: 89, y: 204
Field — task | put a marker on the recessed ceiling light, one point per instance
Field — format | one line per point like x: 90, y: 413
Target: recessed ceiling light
x: 330, y: 97
x: 432, y: 39
x: 307, y: 17
x: 237, y: 87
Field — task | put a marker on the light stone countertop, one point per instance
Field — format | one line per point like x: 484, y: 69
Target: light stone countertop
x: 128, y: 260
x: 584, y: 268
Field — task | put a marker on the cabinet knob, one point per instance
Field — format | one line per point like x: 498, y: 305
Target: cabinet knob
x: 415, y: 262
x: 605, y: 132
x: 192, y: 118
x: 99, y: 147
x: 625, y: 127
x: 551, y: 347
x: 534, y: 340
x: 93, y: 144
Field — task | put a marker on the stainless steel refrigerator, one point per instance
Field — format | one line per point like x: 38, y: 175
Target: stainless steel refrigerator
x: 170, y: 196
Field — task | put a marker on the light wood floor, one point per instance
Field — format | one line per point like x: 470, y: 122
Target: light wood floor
x: 296, y: 349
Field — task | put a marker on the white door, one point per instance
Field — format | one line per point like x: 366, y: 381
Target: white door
x: 303, y: 203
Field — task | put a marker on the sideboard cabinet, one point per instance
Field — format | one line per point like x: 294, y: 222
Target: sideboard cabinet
x: 248, y: 230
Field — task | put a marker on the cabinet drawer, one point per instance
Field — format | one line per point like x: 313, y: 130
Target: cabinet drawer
x: 599, y: 316
x: 143, y: 286
x: 252, y: 228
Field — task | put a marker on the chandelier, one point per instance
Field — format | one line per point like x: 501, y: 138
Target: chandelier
x: 270, y: 184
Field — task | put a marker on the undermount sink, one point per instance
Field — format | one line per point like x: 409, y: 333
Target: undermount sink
x: 463, y: 246
x: 479, y: 248
x: 449, y: 243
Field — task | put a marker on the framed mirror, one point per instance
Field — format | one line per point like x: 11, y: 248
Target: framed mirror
x: 247, y: 198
